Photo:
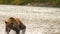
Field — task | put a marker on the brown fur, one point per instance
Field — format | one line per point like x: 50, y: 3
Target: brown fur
x: 14, y: 24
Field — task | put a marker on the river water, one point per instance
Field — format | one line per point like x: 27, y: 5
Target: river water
x: 38, y: 20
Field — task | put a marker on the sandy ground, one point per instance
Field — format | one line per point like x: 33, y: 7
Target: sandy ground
x: 38, y: 20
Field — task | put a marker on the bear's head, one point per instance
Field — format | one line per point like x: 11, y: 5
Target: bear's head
x: 12, y: 23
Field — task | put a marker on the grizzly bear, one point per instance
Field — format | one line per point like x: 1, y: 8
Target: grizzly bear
x: 14, y: 23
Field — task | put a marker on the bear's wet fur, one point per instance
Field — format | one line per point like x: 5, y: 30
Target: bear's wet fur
x: 14, y: 23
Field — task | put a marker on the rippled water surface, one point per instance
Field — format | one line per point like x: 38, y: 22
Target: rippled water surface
x: 38, y: 20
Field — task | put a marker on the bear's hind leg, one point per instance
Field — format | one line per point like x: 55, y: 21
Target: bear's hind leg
x: 23, y: 28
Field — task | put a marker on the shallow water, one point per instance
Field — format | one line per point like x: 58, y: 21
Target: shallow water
x: 38, y: 20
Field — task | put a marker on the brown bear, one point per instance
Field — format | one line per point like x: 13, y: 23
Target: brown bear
x: 14, y: 23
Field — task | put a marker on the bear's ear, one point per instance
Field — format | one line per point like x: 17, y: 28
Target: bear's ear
x: 5, y: 22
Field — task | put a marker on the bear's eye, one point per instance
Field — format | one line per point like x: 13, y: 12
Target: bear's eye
x: 12, y: 23
x: 5, y: 22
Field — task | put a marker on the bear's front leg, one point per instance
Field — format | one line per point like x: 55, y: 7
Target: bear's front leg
x: 17, y: 31
x: 7, y: 30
